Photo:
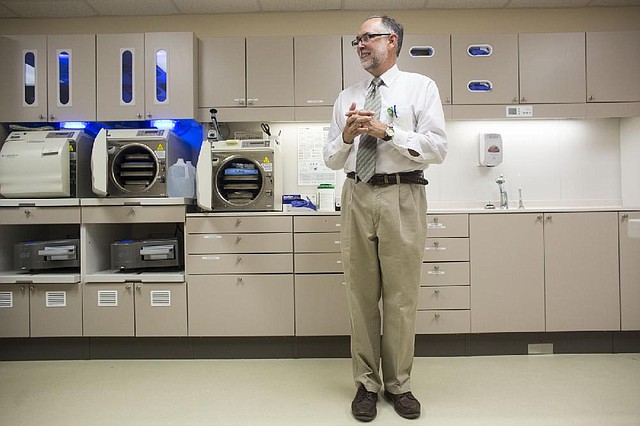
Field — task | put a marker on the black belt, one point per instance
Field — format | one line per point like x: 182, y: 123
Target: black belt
x: 415, y: 176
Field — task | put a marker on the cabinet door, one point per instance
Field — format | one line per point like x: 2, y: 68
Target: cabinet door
x: 161, y: 309
x: 108, y: 309
x: 629, y: 274
x: 352, y: 71
x: 484, y: 69
x: 581, y: 271
x: 170, y: 75
x: 429, y: 55
x: 24, y: 78
x: 241, y: 305
x: 56, y: 310
x: 14, y: 310
x: 270, y: 71
x: 72, y: 77
x: 120, y: 77
x: 318, y: 70
x: 507, y: 273
x: 613, y: 61
x: 321, y: 305
x: 222, y: 72
x: 552, y: 68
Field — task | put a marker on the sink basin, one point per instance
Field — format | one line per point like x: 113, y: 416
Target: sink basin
x: 634, y: 228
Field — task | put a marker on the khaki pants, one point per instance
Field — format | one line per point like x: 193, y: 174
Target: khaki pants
x: 383, y: 238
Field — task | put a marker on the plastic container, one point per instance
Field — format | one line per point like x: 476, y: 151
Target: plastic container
x: 181, y: 180
x: 326, y: 197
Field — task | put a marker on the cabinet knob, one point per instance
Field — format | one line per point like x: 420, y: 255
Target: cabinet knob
x: 549, y: 217
x: 132, y: 211
x: 149, y: 115
x: 436, y: 267
x: 139, y: 287
x: 436, y: 292
x: 32, y: 288
x: 238, y: 259
x: 52, y: 117
x: 42, y: 117
x: 238, y: 222
x: 436, y: 316
x: 128, y: 286
x: 523, y: 99
x: 139, y: 115
x: 436, y: 243
x: 238, y: 239
x: 239, y: 280
x: 447, y: 100
x: 625, y: 216
x: 591, y: 97
x: 515, y: 100
x: 22, y: 289
x: 27, y: 212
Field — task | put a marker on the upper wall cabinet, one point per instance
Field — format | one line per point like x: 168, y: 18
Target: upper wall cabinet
x: 429, y: 55
x: 318, y: 70
x: 146, y: 76
x: 352, y: 71
x: 552, y: 68
x: 255, y: 72
x: 484, y: 69
x: 613, y: 61
x: 48, y: 78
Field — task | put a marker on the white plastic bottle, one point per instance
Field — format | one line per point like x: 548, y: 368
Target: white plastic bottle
x: 179, y: 183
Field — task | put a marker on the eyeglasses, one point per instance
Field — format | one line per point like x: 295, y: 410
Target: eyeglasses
x: 366, y: 38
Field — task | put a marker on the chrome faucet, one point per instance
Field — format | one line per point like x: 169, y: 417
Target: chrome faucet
x: 504, y: 199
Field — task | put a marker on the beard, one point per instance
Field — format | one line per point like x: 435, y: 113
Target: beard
x: 370, y: 59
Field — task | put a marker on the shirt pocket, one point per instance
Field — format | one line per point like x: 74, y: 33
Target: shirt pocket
x: 403, y: 118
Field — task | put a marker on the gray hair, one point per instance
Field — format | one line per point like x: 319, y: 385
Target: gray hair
x: 393, y: 26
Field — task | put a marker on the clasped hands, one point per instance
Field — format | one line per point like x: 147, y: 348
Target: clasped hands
x: 360, y: 122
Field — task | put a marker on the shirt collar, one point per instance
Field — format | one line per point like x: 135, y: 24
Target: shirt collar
x: 388, y: 76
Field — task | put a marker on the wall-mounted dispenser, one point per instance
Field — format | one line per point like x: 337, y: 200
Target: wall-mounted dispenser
x: 490, y: 149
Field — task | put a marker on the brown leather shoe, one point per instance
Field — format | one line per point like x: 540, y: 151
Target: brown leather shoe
x: 363, y: 406
x: 405, y: 404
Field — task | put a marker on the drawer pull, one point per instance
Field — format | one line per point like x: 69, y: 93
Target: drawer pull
x: 238, y: 222
x: 238, y: 259
x: 238, y: 239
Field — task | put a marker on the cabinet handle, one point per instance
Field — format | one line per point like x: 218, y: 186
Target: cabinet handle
x: 436, y: 316
x: 238, y: 259
x: 27, y: 212
x: 149, y: 115
x: 447, y: 100
x: 515, y: 100
x: 591, y: 97
x: 625, y: 216
x: 128, y: 286
x: 32, y: 288
x: 139, y: 115
x: 22, y: 289
x: 42, y: 117
x: 139, y: 287
x: 132, y: 211
x: 436, y: 292
x: 539, y: 217
x: 549, y: 217
x: 238, y: 239
x: 523, y: 99
x: 52, y: 117
x: 239, y: 280
x: 238, y: 222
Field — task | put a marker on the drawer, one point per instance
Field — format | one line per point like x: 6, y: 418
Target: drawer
x: 321, y: 305
x: 239, y: 243
x: 316, y: 223
x: 443, y: 322
x: 237, y: 224
x: 39, y: 215
x: 133, y: 214
x: 446, y: 250
x: 328, y: 242
x: 320, y: 262
x: 446, y: 273
x: 454, y: 297
x: 448, y: 225
x: 241, y: 305
x: 239, y: 263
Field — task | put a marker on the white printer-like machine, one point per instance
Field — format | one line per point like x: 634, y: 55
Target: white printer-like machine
x: 46, y: 164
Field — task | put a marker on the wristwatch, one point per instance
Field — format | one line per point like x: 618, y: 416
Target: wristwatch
x: 388, y: 134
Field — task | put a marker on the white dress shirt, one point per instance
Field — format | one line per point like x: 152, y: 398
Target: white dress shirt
x: 411, y: 104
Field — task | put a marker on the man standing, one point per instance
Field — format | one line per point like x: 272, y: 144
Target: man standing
x: 384, y: 132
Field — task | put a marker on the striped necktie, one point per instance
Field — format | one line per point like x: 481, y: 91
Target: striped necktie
x: 366, y: 155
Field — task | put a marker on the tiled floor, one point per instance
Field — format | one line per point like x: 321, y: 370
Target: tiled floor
x: 563, y: 390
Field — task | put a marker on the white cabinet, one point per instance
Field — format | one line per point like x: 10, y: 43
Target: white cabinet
x: 629, y: 274
x: 48, y: 78
x: 613, y: 61
x: 267, y: 82
x: 240, y: 276
x: 552, y: 68
x: 582, y: 290
x: 352, y: 71
x: 14, y: 310
x: 146, y: 76
x: 320, y: 296
x: 318, y: 70
x: 429, y: 55
x: 443, y: 299
x: 55, y: 310
x: 484, y: 69
x: 507, y: 273
x: 135, y: 308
